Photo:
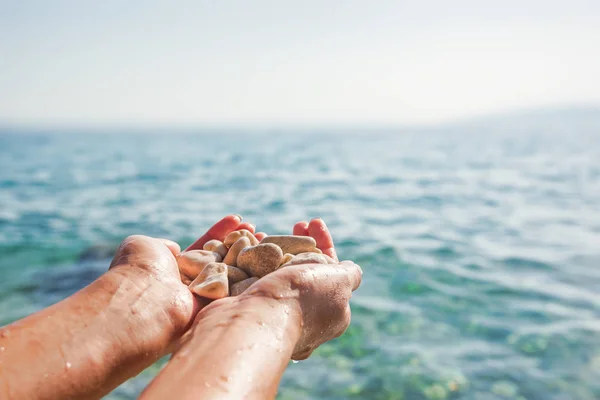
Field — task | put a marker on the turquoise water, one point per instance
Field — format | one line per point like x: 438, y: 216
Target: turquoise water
x: 481, y: 253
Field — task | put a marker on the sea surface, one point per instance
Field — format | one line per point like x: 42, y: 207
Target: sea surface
x: 480, y: 251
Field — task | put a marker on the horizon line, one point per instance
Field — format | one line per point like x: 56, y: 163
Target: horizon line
x: 133, y: 126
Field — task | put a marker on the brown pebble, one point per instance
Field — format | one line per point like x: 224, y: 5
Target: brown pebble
x: 192, y: 262
x: 212, y: 282
x: 235, y: 235
x: 239, y: 287
x: 309, y: 258
x: 260, y: 260
x: 234, y: 250
x: 234, y: 274
x: 286, y: 257
x: 217, y: 246
x: 292, y: 244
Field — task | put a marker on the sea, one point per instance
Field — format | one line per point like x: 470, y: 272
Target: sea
x: 480, y: 247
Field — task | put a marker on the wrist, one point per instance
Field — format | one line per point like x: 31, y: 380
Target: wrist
x: 278, y: 315
x: 237, y: 345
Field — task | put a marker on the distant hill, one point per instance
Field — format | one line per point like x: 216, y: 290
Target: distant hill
x: 547, y: 120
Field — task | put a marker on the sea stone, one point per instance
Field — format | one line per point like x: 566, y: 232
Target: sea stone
x: 234, y: 250
x: 239, y: 287
x: 286, y: 257
x: 260, y: 260
x: 235, y: 274
x: 217, y: 246
x: 235, y: 235
x: 192, y: 262
x: 309, y: 258
x: 212, y: 282
x: 292, y: 244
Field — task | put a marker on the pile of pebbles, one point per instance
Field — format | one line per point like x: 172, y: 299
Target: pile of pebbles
x: 228, y: 268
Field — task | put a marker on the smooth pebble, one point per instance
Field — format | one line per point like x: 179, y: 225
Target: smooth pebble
x: 234, y: 274
x: 309, y: 258
x: 217, y: 246
x: 235, y: 235
x: 211, y: 282
x: 192, y: 262
x: 286, y: 257
x: 234, y: 250
x: 239, y: 287
x: 260, y: 260
x: 292, y: 244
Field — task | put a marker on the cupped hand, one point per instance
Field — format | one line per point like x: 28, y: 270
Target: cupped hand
x: 151, y: 263
x: 318, y: 293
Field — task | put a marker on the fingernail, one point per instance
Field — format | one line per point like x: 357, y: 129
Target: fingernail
x: 239, y: 217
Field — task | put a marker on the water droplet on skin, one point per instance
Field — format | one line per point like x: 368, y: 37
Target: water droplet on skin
x: 1, y: 348
x: 68, y: 365
x: 206, y: 384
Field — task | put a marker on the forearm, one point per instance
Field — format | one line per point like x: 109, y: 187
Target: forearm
x: 237, y: 349
x: 87, y: 344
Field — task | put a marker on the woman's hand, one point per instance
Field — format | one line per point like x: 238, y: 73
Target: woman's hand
x: 238, y: 347
x: 318, y: 293
x: 109, y: 331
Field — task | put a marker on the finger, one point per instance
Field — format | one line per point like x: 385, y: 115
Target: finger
x: 319, y: 231
x: 217, y: 231
x: 355, y: 273
x: 303, y: 355
x: 247, y: 226
x: 260, y: 236
x: 301, y: 228
x: 174, y: 247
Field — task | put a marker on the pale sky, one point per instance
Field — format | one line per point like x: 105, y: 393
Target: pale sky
x: 293, y: 63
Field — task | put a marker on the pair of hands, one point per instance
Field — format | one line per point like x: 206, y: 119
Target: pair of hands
x: 320, y: 294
